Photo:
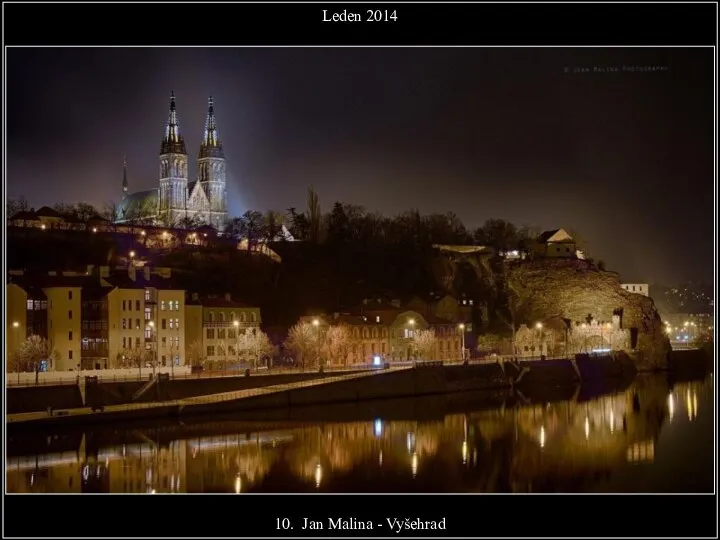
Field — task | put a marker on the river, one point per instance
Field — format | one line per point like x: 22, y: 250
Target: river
x: 651, y: 437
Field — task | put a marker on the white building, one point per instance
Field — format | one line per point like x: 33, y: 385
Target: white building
x: 637, y: 288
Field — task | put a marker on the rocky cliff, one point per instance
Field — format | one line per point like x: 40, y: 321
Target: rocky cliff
x: 575, y: 290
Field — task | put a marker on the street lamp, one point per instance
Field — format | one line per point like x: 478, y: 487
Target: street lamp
x: 539, y: 327
x: 461, y: 326
x: 316, y: 324
x: 15, y: 326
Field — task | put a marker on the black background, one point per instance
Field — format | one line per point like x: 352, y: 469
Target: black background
x: 417, y: 24
x: 256, y: 515
x: 301, y: 24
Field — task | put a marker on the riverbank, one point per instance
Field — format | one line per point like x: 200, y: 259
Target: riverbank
x: 544, y: 379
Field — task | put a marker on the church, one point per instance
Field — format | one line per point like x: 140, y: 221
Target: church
x: 177, y: 201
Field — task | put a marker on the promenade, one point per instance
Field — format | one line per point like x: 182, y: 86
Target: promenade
x: 178, y: 405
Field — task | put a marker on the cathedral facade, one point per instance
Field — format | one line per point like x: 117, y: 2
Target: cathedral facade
x: 177, y: 201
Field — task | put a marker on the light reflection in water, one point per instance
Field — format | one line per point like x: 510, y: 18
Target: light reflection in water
x: 498, y: 446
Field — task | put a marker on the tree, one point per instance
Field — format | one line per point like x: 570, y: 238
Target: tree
x: 255, y: 345
x: 130, y: 358
x: 85, y: 212
x: 314, y: 215
x: 32, y: 352
x: 338, y: 225
x: 302, y: 341
x: 248, y: 226
x: 489, y: 343
x: 273, y: 225
x: 423, y: 343
x: 337, y: 343
x: 195, y: 353
x: 16, y: 205
x: 498, y: 234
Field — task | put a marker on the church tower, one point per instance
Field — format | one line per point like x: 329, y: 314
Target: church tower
x: 173, y: 171
x: 211, y: 171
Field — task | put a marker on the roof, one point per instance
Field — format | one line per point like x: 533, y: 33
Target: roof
x: 462, y: 249
x: 222, y: 302
x: 46, y: 211
x: 555, y: 236
x: 24, y: 215
x: 134, y: 201
x: 45, y: 281
x: 123, y: 281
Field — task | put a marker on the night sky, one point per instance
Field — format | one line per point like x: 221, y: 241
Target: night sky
x: 625, y: 158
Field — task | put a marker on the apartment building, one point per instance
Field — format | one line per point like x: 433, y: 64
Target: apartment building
x: 214, y: 325
x: 98, y: 319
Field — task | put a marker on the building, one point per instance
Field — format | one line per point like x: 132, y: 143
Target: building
x: 637, y: 288
x: 178, y: 200
x: 556, y: 243
x: 387, y: 331
x: 214, y: 326
x: 99, y: 319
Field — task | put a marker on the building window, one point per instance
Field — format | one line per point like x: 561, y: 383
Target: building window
x: 232, y: 316
x: 221, y: 333
x: 231, y: 350
x: 148, y: 314
x: 137, y: 324
x: 70, y: 314
x: 177, y: 305
x: 69, y: 355
x: 124, y: 324
x: 137, y: 305
x: 243, y: 318
x: 222, y: 316
x: 210, y: 333
x: 123, y: 305
x: 231, y: 333
x: 211, y: 350
x: 177, y: 324
x: 164, y: 342
x: 377, y: 318
x: 69, y: 295
x: 162, y: 305
x: 147, y: 295
x: 148, y: 332
x: 124, y: 344
x: 211, y: 316
x: 163, y: 324
x: 70, y: 335
x: 137, y: 342
x: 253, y: 317
x: 175, y: 341
x: 29, y: 305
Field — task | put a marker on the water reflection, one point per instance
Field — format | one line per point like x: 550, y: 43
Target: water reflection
x: 567, y: 446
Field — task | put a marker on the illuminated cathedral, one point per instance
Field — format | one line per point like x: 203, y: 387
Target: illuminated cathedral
x: 177, y: 200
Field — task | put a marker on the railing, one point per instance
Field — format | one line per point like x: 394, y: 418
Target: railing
x: 147, y: 372
x: 212, y: 398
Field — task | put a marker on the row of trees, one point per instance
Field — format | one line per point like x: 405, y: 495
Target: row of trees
x: 344, y: 224
x: 315, y: 346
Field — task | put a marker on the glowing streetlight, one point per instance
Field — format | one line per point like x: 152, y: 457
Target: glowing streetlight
x: 143, y: 233
x: 16, y: 324
x: 42, y: 226
x: 461, y: 326
x: 539, y: 326
x: 94, y: 229
x: 132, y: 254
x: 318, y: 475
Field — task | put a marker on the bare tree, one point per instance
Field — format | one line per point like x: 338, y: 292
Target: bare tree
x: 337, y: 343
x: 195, y: 353
x: 32, y: 352
x: 255, y: 345
x: 423, y: 343
x: 302, y: 341
x: 273, y: 225
x: 16, y: 205
x: 489, y: 343
x: 314, y: 215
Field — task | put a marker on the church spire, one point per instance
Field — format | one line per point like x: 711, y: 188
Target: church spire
x: 173, y: 143
x: 125, y: 180
x: 211, y: 145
